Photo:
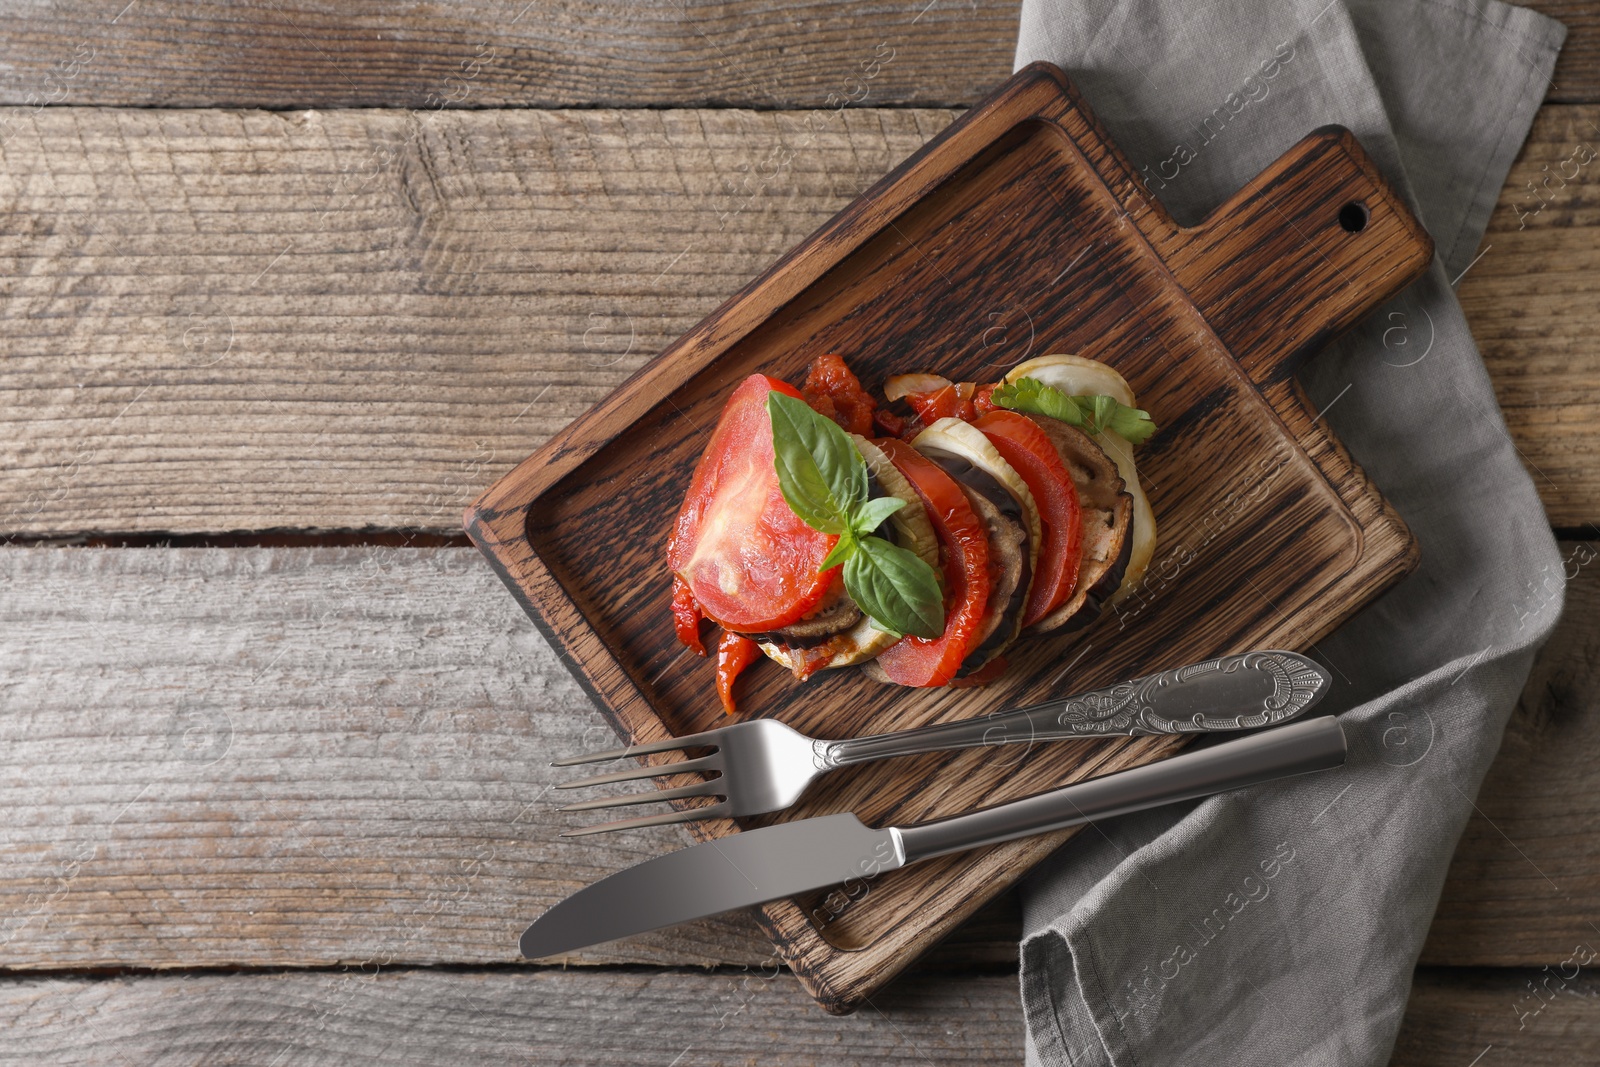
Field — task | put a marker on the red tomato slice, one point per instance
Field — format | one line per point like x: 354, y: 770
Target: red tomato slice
x: 748, y: 560
x: 1027, y: 448
x: 934, y: 661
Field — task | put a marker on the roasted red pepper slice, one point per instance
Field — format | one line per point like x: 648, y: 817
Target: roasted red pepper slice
x: 964, y: 553
x: 1021, y: 442
x: 735, y: 652
x: 945, y: 403
x: 747, y: 559
x: 686, y: 617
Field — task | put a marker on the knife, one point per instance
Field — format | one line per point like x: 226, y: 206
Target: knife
x: 756, y: 866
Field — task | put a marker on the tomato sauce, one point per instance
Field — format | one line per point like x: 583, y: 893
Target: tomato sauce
x: 832, y: 389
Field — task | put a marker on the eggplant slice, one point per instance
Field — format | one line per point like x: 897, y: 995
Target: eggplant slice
x: 836, y: 612
x: 849, y: 636
x: 1011, y: 553
x: 1107, y: 525
x: 1010, y: 516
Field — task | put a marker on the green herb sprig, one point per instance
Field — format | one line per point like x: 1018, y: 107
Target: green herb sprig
x: 824, y: 480
x: 1092, y: 414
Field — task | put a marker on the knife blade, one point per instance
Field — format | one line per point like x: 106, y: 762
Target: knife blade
x: 756, y: 866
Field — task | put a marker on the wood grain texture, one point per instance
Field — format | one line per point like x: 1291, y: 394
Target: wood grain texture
x: 1543, y: 1018
x: 522, y: 1016
x: 388, y: 713
x: 391, y: 337
x: 275, y: 757
x: 606, y: 1018
x: 1533, y: 301
x: 1278, y: 535
x: 322, y: 745
x: 753, y: 53
x: 365, y: 317
x: 509, y: 54
x: 1526, y: 865
x: 1576, y: 78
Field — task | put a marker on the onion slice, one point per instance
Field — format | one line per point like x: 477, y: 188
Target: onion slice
x: 901, y: 384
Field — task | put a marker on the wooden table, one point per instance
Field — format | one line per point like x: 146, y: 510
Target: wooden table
x: 285, y: 286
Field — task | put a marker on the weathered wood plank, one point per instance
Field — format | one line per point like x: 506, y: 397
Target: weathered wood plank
x: 1524, y: 886
x: 1490, y: 1018
x: 1577, y: 75
x: 517, y: 1016
x: 306, y: 756
x: 757, y: 53
x: 513, y: 53
x: 291, y: 756
x: 606, y: 1017
x: 288, y: 757
x: 1533, y: 300
x: 352, y: 319
x: 248, y: 320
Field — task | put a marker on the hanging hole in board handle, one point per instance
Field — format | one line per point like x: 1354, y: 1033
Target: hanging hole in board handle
x: 1353, y: 217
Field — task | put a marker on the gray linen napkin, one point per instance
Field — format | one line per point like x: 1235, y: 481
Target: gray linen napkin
x: 1281, y: 925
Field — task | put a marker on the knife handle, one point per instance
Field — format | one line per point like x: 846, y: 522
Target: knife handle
x: 1236, y: 692
x: 1314, y: 745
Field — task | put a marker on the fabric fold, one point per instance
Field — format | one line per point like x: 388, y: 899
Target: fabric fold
x: 1281, y: 926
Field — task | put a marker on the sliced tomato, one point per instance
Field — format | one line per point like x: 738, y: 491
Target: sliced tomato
x: 964, y: 552
x: 1021, y: 443
x: 686, y: 617
x: 735, y: 652
x: 832, y: 389
x: 747, y: 559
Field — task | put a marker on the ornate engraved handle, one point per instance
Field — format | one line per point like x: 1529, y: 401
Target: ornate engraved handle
x: 1237, y: 692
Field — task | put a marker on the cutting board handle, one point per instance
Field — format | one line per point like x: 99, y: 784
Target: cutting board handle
x: 1300, y: 254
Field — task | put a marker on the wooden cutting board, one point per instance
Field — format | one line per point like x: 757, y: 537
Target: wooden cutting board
x: 1018, y: 231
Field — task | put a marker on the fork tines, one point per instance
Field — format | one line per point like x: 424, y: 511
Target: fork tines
x: 699, y: 740
x: 711, y: 762
x: 710, y: 811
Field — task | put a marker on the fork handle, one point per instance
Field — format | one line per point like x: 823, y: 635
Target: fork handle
x: 1299, y: 748
x: 1235, y: 692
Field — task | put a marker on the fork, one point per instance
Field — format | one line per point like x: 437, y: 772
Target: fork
x: 765, y: 766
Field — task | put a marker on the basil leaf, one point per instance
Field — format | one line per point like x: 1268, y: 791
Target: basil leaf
x: 895, y: 588
x: 871, y: 515
x: 1092, y: 414
x: 842, y: 550
x: 820, y: 473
